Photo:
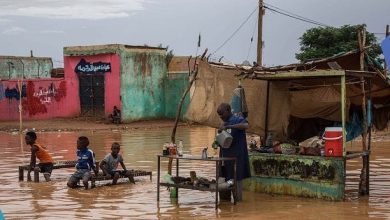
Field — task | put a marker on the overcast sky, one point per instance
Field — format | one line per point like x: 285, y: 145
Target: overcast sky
x: 46, y: 26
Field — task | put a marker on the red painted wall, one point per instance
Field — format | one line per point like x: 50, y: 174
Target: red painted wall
x: 111, y: 79
x: 41, y: 99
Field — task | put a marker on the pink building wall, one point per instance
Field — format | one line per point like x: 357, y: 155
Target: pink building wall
x: 111, y: 79
x: 41, y: 99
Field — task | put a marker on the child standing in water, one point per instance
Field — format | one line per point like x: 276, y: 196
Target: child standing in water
x: 110, y: 163
x: 85, y: 163
x: 45, y: 164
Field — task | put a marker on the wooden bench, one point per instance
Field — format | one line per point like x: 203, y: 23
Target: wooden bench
x: 72, y: 164
x: 135, y: 173
x: 57, y: 165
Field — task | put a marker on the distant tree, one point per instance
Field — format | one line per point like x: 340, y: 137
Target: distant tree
x: 324, y: 42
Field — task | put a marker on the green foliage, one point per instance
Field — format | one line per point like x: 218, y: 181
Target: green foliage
x: 324, y: 42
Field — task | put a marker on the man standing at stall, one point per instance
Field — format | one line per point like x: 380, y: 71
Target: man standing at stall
x: 235, y: 125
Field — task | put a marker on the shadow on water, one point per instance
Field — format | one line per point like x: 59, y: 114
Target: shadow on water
x: 53, y: 200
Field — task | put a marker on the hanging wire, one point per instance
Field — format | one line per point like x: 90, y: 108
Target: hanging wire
x: 253, y: 34
x: 292, y: 15
x: 235, y: 32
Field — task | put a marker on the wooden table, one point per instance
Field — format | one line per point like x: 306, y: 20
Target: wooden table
x: 218, y: 162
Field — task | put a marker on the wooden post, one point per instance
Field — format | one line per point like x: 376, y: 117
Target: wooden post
x: 369, y: 142
x: 194, y: 74
x: 362, y: 40
x: 21, y: 173
x: 343, y: 112
x: 260, y: 34
x: 387, y: 34
x: 36, y: 176
x: 364, y: 110
x: 343, y: 117
x: 363, y: 176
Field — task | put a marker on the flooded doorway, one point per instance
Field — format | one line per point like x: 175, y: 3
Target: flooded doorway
x: 91, y: 87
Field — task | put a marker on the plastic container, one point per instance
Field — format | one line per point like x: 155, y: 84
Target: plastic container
x: 180, y: 148
x: 224, y: 139
x: 204, y: 153
x: 333, y: 137
x: 172, y: 149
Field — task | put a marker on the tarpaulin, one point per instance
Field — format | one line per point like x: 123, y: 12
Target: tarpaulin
x: 386, y: 49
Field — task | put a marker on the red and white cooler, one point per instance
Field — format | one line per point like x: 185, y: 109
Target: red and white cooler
x: 333, y: 137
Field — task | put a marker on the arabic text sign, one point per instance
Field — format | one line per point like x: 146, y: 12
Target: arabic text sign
x: 87, y: 67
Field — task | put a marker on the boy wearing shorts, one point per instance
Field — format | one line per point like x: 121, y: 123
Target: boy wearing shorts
x: 85, y: 163
x: 110, y: 163
x: 45, y: 164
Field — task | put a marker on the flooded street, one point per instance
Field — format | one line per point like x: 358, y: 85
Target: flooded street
x: 53, y: 200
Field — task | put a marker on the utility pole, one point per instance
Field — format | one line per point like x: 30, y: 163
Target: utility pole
x: 387, y: 34
x: 260, y: 34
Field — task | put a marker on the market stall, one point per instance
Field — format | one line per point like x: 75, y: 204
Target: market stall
x: 318, y: 101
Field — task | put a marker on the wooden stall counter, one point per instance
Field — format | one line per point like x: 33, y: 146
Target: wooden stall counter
x: 297, y: 175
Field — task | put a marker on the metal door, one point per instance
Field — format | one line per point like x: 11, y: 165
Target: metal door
x: 91, y: 95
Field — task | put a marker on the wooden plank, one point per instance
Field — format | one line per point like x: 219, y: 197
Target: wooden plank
x: 299, y: 75
x: 358, y: 73
x: 72, y: 164
x: 343, y: 111
x: 352, y: 155
x: 193, y: 187
x: 135, y: 173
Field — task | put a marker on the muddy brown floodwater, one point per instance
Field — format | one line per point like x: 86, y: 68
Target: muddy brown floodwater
x: 53, y: 200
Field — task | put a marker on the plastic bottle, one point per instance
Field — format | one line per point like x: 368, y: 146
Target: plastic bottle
x: 165, y: 149
x: 180, y: 148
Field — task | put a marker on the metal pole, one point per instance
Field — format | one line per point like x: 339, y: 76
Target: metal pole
x: 158, y: 178
x: 387, y: 34
x: 260, y: 34
x: 20, y: 85
x: 217, y: 167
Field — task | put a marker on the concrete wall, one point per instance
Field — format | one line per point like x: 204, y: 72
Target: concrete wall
x: 143, y: 71
x: 25, y: 67
x: 41, y: 99
x: 111, y: 79
x: 174, y: 85
x: 138, y: 83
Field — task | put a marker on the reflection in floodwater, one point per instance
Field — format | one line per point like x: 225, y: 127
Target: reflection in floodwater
x: 53, y: 200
